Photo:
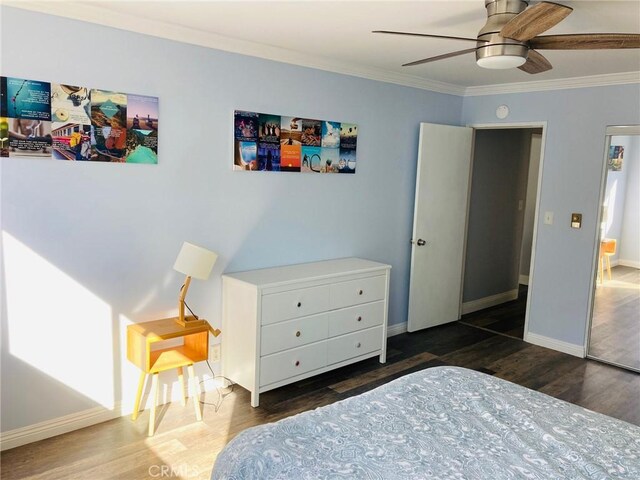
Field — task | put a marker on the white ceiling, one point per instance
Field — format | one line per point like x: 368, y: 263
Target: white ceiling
x: 336, y: 35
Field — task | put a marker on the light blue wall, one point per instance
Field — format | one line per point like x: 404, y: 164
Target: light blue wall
x: 615, y: 194
x: 116, y: 229
x: 629, y: 248
x: 573, y: 156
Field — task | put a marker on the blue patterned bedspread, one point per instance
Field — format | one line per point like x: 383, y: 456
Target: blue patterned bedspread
x: 440, y: 423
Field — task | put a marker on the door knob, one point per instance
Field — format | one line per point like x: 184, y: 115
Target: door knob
x: 421, y: 242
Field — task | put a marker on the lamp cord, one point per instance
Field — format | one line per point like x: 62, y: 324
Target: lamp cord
x: 216, y: 406
x: 221, y: 396
x: 194, y: 315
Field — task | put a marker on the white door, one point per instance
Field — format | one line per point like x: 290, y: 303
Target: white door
x: 439, y: 225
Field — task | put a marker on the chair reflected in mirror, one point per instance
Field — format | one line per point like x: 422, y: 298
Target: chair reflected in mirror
x: 607, y: 250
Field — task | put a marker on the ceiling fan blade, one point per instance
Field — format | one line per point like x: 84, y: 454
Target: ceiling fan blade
x: 536, y: 63
x: 535, y: 20
x: 428, y: 35
x: 439, y: 57
x: 586, y: 41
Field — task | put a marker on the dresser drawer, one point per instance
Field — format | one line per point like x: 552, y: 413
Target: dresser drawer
x: 355, y: 292
x: 356, y: 318
x: 354, y: 344
x: 295, y: 303
x: 293, y: 333
x: 283, y: 365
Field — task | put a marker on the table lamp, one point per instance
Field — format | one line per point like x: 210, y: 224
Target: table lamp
x: 195, y: 262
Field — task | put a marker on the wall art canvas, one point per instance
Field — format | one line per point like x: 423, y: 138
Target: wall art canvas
x: 26, y: 112
x: 290, y: 131
x: 278, y: 143
x: 616, y: 156
x: 71, y: 122
x: 142, y: 129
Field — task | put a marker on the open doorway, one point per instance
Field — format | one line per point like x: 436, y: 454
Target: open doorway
x: 500, y: 228
x: 614, y: 334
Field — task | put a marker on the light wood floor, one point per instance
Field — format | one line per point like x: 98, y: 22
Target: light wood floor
x: 615, y: 331
x: 120, y: 449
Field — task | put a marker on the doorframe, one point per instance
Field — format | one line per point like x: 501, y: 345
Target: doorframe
x: 610, y: 131
x: 519, y: 125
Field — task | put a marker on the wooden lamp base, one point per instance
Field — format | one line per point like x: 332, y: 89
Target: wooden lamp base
x: 191, y: 321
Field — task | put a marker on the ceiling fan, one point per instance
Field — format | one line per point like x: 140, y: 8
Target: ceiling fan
x: 510, y: 38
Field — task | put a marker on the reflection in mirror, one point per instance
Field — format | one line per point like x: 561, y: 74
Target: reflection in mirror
x: 615, y: 323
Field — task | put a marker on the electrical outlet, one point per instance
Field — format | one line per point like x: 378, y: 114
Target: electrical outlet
x: 215, y: 353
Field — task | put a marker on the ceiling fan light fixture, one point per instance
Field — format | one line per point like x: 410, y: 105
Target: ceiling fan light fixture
x: 501, y: 62
x: 500, y: 56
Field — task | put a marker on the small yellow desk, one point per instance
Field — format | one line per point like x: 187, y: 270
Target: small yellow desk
x: 140, y: 338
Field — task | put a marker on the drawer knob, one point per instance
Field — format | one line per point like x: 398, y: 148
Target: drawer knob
x: 358, y: 345
x: 298, y: 333
x: 359, y: 319
x: 360, y: 292
x: 299, y: 304
x: 297, y: 363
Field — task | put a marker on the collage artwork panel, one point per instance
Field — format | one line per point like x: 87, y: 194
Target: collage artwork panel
x: 69, y: 122
x: 265, y: 142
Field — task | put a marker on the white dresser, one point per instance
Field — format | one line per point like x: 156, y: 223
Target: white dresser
x: 283, y: 324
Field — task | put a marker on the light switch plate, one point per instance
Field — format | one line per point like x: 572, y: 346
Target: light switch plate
x: 548, y: 218
x: 576, y: 220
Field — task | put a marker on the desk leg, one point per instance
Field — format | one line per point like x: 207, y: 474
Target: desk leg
x: 183, y: 394
x: 154, y: 402
x: 608, y: 257
x: 195, y: 392
x: 136, y: 406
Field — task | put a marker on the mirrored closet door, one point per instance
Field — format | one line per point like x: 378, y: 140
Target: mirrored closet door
x: 614, y: 335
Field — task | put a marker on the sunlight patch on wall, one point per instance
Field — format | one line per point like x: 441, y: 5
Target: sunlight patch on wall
x: 56, y: 325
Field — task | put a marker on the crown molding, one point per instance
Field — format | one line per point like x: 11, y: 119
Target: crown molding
x: 558, y: 84
x: 93, y: 14
x: 102, y: 16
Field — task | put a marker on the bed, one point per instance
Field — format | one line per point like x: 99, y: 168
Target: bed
x: 444, y: 423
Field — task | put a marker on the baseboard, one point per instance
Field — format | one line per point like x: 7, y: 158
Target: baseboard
x: 396, y: 329
x: 491, y: 301
x: 57, y: 426
x: 75, y: 421
x: 553, y: 344
x: 628, y: 263
x: 523, y: 279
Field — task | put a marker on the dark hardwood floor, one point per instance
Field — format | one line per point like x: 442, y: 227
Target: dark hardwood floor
x: 506, y: 318
x: 615, y: 329
x: 120, y: 448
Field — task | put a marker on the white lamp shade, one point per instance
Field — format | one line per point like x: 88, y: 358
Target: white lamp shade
x: 195, y: 261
